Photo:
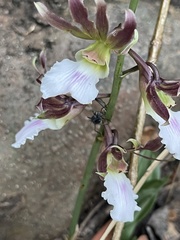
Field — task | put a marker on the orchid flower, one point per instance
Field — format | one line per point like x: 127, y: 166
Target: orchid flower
x: 119, y: 191
x: 79, y: 78
x: 54, y: 114
x: 120, y: 194
x: 157, y: 95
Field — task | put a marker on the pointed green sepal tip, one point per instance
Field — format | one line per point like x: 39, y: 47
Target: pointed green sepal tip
x: 166, y: 99
x: 136, y: 144
x: 131, y: 44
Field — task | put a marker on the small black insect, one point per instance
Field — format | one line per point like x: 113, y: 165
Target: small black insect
x: 96, y: 118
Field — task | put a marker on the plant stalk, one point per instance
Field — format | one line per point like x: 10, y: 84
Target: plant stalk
x: 117, y: 80
x: 83, y: 188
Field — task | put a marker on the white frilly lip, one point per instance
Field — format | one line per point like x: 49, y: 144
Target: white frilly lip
x: 77, y: 78
x: 32, y: 128
x: 170, y: 133
x: 120, y: 194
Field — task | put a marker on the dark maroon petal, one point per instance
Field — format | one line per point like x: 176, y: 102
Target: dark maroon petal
x: 156, y: 103
x: 123, y: 33
x: 117, y: 154
x: 101, y: 19
x: 153, y: 145
x: 43, y: 60
x: 115, y: 136
x: 80, y: 15
x: 170, y: 87
x: 59, y: 22
x: 55, y: 107
x: 102, y: 161
x: 145, y: 71
x: 156, y: 76
x: 108, y: 135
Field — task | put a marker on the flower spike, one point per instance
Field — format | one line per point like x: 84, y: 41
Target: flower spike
x: 156, y: 93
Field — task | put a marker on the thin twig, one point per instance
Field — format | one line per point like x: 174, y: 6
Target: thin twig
x: 90, y: 215
x: 150, y: 169
x: 108, y: 230
x: 133, y: 168
x: 156, y: 42
x: 118, y: 230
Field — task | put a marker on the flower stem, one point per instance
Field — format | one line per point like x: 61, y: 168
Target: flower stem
x: 95, y: 148
x: 133, y: 5
x: 150, y: 169
x: 117, y: 80
x: 119, y: 225
x: 83, y: 187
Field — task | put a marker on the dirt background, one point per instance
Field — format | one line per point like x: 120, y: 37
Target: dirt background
x: 39, y: 182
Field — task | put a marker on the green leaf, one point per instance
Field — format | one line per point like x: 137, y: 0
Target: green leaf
x: 144, y: 163
x: 147, y: 197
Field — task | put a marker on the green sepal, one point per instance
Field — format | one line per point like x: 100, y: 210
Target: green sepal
x: 166, y: 99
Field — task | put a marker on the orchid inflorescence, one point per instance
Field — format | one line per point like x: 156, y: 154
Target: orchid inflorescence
x: 69, y: 86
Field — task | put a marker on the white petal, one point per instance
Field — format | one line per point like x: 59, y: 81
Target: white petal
x: 31, y: 129
x: 170, y: 134
x: 77, y: 78
x: 83, y: 88
x: 56, y: 80
x: 120, y: 194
